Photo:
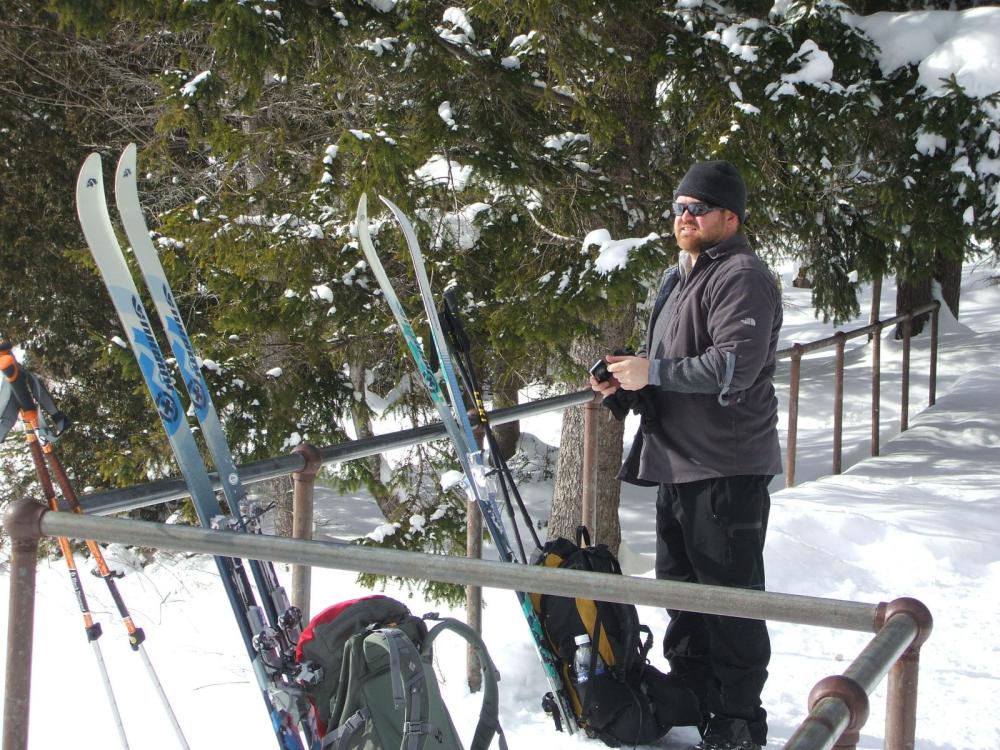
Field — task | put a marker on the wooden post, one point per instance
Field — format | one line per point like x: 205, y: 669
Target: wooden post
x: 588, y: 502
x: 793, y: 414
x: 304, y: 483
x: 23, y: 524
x: 474, y: 594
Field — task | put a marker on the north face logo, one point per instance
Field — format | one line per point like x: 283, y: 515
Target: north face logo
x: 748, y: 322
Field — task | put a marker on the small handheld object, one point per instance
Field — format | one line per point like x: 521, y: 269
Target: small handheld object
x: 600, y: 371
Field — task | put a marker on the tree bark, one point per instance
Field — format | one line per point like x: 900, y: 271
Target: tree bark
x: 948, y: 272
x: 279, y: 492
x: 387, y: 501
x: 505, y: 394
x: 568, y: 495
x: 911, y: 293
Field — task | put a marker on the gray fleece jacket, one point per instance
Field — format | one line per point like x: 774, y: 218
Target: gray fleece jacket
x: 712, y: 362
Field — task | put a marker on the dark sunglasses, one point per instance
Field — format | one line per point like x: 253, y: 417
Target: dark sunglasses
x: 695, y: 209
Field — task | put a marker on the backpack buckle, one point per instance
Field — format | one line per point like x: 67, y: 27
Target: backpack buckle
x: 416, y: 727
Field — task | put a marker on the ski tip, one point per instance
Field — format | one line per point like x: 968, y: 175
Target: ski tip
x: 90, y: 173
x: 401, y: 218
x: 126, y: 163
x: 404, y: 223
x: 361, y: 220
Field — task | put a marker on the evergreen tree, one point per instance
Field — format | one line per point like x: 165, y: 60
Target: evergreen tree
x: 511, y: 131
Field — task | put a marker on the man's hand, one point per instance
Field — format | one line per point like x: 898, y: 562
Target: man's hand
x: 605, y: 387
x: 631, y: 373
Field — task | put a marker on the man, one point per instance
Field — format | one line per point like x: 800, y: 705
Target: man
x: 711, y: 443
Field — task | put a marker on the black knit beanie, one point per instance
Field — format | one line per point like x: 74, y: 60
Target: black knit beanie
x: 717, y: 183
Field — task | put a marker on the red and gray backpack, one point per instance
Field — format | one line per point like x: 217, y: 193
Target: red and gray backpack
x: 367, y: 669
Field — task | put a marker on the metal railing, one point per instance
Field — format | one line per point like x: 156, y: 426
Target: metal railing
x: 165, y: 490
x: 838, y: 341
x: 151, y: 493
x: 304, y: 463
x: 838, y: 704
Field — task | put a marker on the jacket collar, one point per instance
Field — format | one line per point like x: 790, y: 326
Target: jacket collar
x: 735, y: 244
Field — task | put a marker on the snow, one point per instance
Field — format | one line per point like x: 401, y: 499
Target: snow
x: 816, y: 67
x: 440, y: 170
x: 457, y: 18
x: 921, y: 520
x: 941, y: 43
x: 191, y: 87
x: 322, y: 292
x: 612, y: 255
x: 447, y: 115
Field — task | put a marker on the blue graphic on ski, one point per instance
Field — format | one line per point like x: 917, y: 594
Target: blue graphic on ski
x: 95, y: 221
x: 127, y: 197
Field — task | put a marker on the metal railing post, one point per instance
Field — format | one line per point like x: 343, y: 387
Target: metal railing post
x: 854, y: 698
x: 474, y: 594
x: 793, y: 414
x: 588, y: 510
x: 901, y: 694
x: 838, y: 705
x: 838, y: 403
x: 303, y: 486
x: 23, y: 524
x: 904, y: 408
x: 876, y: 388
x: 932, y: 385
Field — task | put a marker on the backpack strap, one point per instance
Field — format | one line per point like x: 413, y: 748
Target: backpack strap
x: 341, y: 736
x: 489, y: 714
x: 351, y: 669
x: 409, y: 690
x: 409, y: 687
x: 646, y: 644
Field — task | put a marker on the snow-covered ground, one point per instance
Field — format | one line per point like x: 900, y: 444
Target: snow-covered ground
x: 921, y: 520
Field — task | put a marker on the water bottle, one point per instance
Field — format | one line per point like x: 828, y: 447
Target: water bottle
x: 581, y: 659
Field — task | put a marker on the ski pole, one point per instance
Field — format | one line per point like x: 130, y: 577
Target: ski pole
x: 452, y: 324
x: 40, y: 451
x: 92, y: 629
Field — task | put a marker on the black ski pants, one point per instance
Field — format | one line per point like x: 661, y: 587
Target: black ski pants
x: 712, y: 532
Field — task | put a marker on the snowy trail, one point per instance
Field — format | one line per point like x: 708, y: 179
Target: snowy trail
x: 923, y: 520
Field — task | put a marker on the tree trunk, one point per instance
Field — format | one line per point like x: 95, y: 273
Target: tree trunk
x: 387, y: 501
x: 505, y: 394
x: 568, y: 495
x: 911, y: 293
x: 279, y: 492
x: 948, y: 272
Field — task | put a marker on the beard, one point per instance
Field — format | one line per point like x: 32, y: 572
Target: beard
x: 696, y: 238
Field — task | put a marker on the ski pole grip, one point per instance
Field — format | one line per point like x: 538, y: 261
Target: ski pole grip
x: 15, y: 376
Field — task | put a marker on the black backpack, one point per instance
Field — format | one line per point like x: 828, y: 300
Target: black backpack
x: 631, y: 702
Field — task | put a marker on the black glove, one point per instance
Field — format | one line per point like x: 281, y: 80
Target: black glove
x: 621, y: 402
